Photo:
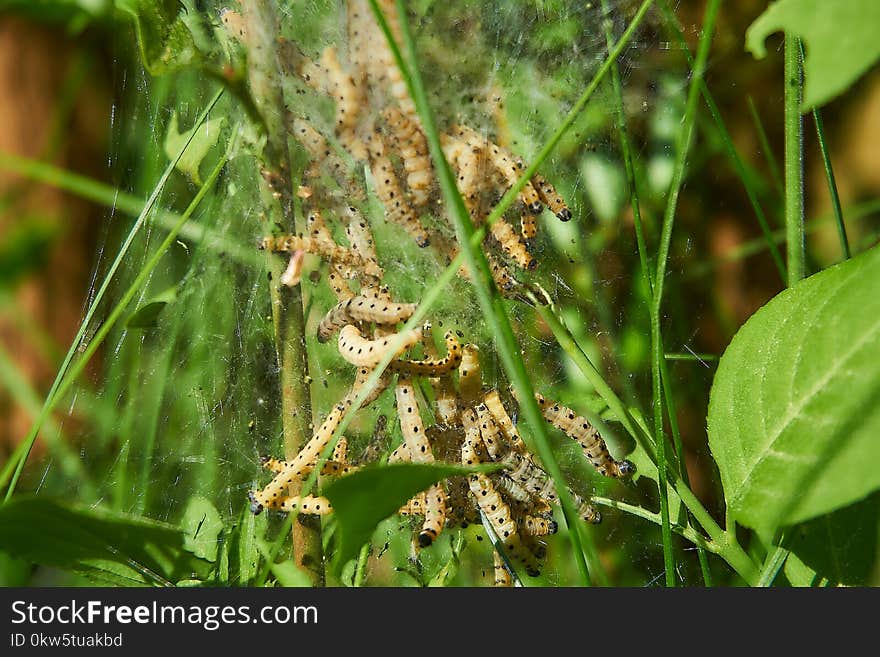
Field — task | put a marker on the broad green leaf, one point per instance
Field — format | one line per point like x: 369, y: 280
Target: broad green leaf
x: 363, y: 499
x: 206, y: 136
x: 840, y: 546
x: 840, y: 40
x: 110, y: 548
x: 165, y: 41
x: 201, y: 526
x: 794, y: 412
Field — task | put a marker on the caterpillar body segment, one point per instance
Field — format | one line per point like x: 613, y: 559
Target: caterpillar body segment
x: 360, y: 351
x: 413, y: 150
x: 341, y: 450
x: 397, y: 207
x: 528, y: 225
x: 432, y: 366
x: 503, y: 578
x: 363, y: 373
x: 551, y: 198
x: 360, y: 236
x: 580, y: 430
x: 311, y: 504
x: 489, y: 432
x: 415, y: 506
x: 335, y: 467
x: 538, y: 526
x: 469, y: 378
x: 492, y: 400
x: 512, y: 245
x: 435, y: 515
x: 349, y: 97
x: 272, y: 495
x: 411, y: 425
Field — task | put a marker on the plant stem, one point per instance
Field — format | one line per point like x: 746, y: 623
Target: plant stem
x: 794, y: 161
x: 264, y: 77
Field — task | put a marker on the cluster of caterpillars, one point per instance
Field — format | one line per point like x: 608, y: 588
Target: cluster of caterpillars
x: 376, y: 126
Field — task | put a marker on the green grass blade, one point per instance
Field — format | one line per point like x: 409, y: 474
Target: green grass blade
x: 832, y: 184
x: 765, y: 146
x: 110, y: 197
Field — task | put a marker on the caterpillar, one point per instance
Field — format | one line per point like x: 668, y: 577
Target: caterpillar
x: 360, y: 381
x: 420, y: 452
x: 349, y: 98
x: 413, y: 151
x: 272, y: 495
x: 362, y: 309
x: 512, y: 245
x: 432, y: 366
x: 360, y: 237
x: 397, y: 207
x: 489, y: 432
x: 492, y: 400
x: 338, y: 255
x: 498, y: 514
x: 505, y: 162
x: 551, y: 198
x: 335, y: 467
x: 357, y: 350
x: 411, y: 423
x: 323, y: 156
x: 585, y: 434
x: 469, y: 380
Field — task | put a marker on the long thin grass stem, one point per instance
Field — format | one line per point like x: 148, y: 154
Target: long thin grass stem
x: 794, y: 161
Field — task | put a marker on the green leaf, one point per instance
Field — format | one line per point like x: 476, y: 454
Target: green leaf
x: 363, y: 499
x: 840, y: 39
x: 165, y: 42
x: 794, y: 411
x: 110, y: 548
x: 288, y: 574
x: 202, y: 141
x: 201, y: 526
x: 147, y: 315
x: 840, y: 546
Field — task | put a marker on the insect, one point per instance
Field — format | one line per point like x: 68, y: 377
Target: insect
x: 432, y: 366
x: 397, y: 207
x: 579, y: 429
x: 413, y: 151
x: 419, y: 451
x: 358, y: 350
x: 273, y: 494
x: 362, y: 309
